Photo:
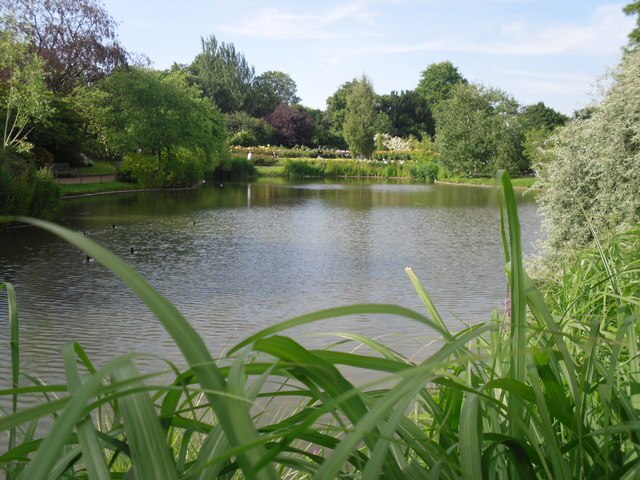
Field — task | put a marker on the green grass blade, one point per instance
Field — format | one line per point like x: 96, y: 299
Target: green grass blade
x: 14, y: 340
x: 517, y: 367
x: 92, y: 455
x: 428, y: 303
x: 362, y: 309
x: 470, y: 437
x: 238, y: 427
x: 149, y: 452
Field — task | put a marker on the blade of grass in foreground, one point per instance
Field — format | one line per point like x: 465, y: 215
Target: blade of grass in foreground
x: 237, y: 424
x: 92, y: 456
x: 517, y: 368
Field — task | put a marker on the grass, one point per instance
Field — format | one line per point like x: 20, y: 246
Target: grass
x: 534, y: 392
x: 270, y: 171
x: 522, y: 182
x: 68, y: 190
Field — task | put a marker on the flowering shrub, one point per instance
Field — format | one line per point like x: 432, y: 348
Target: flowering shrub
x: 384, y: 141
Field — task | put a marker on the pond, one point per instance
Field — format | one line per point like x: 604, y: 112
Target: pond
x: 237, y: 257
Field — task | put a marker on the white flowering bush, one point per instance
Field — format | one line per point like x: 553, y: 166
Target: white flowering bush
x: 384, y: 141
x: 591, y: 178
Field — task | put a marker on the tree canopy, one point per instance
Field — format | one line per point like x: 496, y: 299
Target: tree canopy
x: 77, y: 39
x: 437, y: 82
x: 155, y: 112
x: 292, y: 125
x: 478, y: 132
x: 270, y: 89
x: 360, y: 119
x: 224, y: 75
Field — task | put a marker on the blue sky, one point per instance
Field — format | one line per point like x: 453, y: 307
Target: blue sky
x: 548, y: 50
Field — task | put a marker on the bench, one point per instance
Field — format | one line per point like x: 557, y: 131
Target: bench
x: 62, y: 169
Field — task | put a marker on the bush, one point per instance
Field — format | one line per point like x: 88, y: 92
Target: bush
x: 26, y: 190
x: 238, y: 168
x: 590, y: 178
x: 142, y: 169
x: 185, y: 168
x: 425, y: 172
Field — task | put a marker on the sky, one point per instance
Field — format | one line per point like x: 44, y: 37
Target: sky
x: 553, y: 51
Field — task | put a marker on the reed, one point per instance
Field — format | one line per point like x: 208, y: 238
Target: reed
x: 547, y: 390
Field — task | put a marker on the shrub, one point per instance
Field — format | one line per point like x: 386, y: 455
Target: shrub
x: 590, y: 178
x: 238, y: 168
x: 143, y: 169
x: 425, y: 172
x: 26, y: 190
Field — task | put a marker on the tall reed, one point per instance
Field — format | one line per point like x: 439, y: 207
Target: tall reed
x: 531, y: 393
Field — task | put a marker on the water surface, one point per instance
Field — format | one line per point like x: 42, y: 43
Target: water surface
x: 235, y: 258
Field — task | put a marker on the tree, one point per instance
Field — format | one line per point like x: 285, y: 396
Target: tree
x: 478, y: 132
x: 437, y: 82
x: 591, y: 183
x: 408, y: 113
x: 247, y: 131
x: 270, y: 89
x: 223, y: 75
x: 156, y: 112
x: 24, y: 98
x: 293, y: 126
x: 539, y: 116
x: 337, y: 109
x: 360, y: 118
x: 634, y: 9
x: 76, y: 39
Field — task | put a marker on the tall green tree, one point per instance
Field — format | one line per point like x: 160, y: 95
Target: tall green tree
x: 437, y: 82
x: 360, y: 119
x: 478, y: 132
x: 337, y: 109
x: 25, y: 99
x: 156, y: 112
x: 270, y: 89
x: 408, y: 114
x: 223, y: 75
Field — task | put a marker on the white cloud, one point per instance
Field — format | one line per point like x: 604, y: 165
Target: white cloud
x: 274, y: 23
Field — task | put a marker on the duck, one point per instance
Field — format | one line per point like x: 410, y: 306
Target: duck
x: 113, y: 225
x: 88, y: 259
x: 133, y: 250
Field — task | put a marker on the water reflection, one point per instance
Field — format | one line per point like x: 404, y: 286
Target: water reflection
x: 238, y: 257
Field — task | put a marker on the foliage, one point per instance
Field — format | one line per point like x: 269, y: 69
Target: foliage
x: 270, y: 89
x: 539, y: 116
x: 292, y: 125
x: 360, y: 118
x: 437, y: 83
x: 76, y: 39
x: 345, y: 168
x: 529, y: 393
x: 223, y: 75
x: 247, y: 131
x: 478, y: 132
x: 591, y: 183
x: 408, y: 113
x: 337, y: 110
x: 425, y: 171
x: 63, y: 133
x: 236, y: 169
x: 184, y: 168
x: 27, y: 190
x: 634, y: 9
x: 24, y: 97
x: 384, y: 141
x: 153, y: 112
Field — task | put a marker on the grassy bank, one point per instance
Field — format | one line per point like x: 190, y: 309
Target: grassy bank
x: 87, y: 188
x: 522, y: 182
x: 540, y: 390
